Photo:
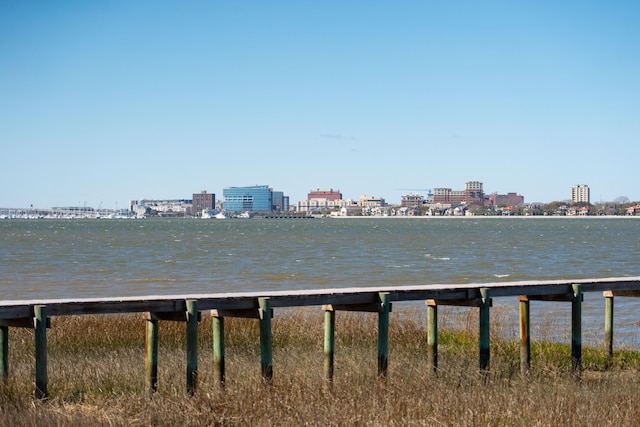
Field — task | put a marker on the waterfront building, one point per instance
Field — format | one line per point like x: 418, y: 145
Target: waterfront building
x: 472, y: 194
x: 325, y: 194
x: 322, y: 200
x: 580, y: 193
x: 412, y: 200
x: 509, y: 199
x: 164, y: 207
x: 371, y: 202
x: 202, y: 201
x: 320, y: 205
x: 257, y: 198
x: 280, y: 202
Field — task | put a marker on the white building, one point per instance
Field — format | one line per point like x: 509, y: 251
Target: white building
x: 371, y: 202
x: 319, y: 205
x: 580, y: 193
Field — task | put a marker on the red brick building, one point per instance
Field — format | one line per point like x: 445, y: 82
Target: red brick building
x: 412, y: 200
x: 325, y: 194
x: 202, y: 200
x: 472, y: 194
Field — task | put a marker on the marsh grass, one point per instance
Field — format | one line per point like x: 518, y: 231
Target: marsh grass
x: 96, y: 377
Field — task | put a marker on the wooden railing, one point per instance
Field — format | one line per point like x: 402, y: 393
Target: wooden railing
x: 36, y: 314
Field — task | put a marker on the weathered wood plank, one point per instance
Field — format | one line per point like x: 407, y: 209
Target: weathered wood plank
x: 294, y: 298
x: 151, y: 355
x: 468, y: 302
x: 246, y: 313
x: 525, y: 335
x: 432, y: 335
x: 627, y: 293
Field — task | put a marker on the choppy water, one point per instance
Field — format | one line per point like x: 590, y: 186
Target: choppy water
x: 93, y: 258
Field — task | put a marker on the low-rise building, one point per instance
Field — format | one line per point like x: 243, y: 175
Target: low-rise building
x: 509, y: 199
x: 325, y: 194
x: 203, y: 201
x: 412, y: 200
x: 165, y: 207
x: 371, y: 202
x: 322, y: 200
x: 473, y: 194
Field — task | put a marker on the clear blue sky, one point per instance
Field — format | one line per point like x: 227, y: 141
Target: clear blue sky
x: 107, y: 101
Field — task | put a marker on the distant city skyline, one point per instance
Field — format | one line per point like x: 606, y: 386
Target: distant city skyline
x: 219, y: 196
x: 209, y: 199
x: 102, y: 102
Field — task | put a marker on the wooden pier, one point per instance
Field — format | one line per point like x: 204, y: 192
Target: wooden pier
x: 36, y: 314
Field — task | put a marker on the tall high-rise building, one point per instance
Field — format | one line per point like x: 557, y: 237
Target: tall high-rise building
x: 580, y: 193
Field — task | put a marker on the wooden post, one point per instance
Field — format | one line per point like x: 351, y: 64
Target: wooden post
x: 576, y: 329
x: 218, y: 349
x: 525, y: 336
x: 40, y: 325
x: 151, y: 355
x: 608, y: 321
x: 192, y: 345
x: 383, y: 333
x: 266, y: 354
x: 4, y: 348
x: 484, y: 329
x: 432, y: 335
x: 329, y: 341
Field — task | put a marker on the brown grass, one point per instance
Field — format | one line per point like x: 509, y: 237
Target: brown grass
x: 96, y: 377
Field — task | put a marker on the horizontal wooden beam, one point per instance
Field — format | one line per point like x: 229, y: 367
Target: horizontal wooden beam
x: 551, y: 298
x: 366, y: 308
x: 176, y: 316
x: 364, y: 296
x: 247, y: 313
x: 635, y: 293
x: 471, y: 302
x: 28, y: 323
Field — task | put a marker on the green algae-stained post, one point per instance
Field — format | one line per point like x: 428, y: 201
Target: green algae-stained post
x: 484, y: 329
x: 266, y: 352
x: 192, y: 345
x: 40, y: 324
x: 576, y: 329
x: 218, y: 349
x: 608, y: 321
x: 432, y: 335
x: 4, y: 347
x: 329, y: 341
x: 525, y: 335
x: 151, y: 354
x: 383, y: 333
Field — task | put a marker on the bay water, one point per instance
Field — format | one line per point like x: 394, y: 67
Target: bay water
x: 56, y: 258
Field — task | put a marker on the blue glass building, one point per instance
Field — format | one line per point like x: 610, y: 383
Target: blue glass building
x: 258, y: 198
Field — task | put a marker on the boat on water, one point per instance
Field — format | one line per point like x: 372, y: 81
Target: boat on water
x: 211, y: 214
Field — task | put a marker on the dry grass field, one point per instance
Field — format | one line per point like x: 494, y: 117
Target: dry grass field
x: 96, y: 377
